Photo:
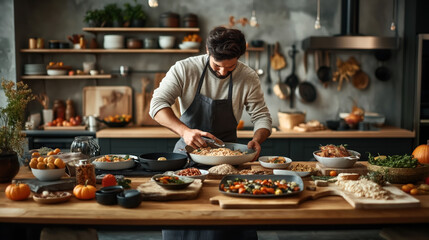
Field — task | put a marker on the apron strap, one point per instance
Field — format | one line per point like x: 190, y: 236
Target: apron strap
x: 200, y: 83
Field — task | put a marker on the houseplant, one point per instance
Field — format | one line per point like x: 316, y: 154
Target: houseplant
x: 113, y: 15
x: 94, y: 18
x: 134, y: 16
x: 12, y: 118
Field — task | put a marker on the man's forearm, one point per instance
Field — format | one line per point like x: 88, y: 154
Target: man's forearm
x: 261, y: 135
x: 167, y: 118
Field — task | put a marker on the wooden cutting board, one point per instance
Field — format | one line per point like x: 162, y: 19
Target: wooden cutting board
x: 103, y: 101
x: 357, y: 168
x: 61, y: 128
x: 399, y: 199
x: 152, y: 191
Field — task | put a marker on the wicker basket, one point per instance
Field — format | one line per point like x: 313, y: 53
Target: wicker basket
x: 402, y: 175
x: 289, y: 120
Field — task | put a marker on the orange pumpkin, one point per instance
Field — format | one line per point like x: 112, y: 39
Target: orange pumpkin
x: 18, y: 191
x: 84, y: 192
x: 422, y: 153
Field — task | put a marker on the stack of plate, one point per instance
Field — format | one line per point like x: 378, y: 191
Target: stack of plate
x: 34, y: 69
x: 113, y: 41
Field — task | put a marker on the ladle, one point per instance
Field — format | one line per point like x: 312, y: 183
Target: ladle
x: 258, y: 70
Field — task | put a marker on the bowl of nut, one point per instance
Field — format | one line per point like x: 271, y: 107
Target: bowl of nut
x: 47, y: 168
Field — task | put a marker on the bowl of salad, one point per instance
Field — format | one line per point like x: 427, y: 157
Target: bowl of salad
x: 171, y: 182
x: 275, y: 162
x: 336, y: 156
x: 114, y: 161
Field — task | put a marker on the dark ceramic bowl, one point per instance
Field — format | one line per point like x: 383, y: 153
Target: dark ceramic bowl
x: 107, y: 195
x: 173, y: 186
x: 332, y: 124
x: 129, y: 199
x: 257, y: 43
x: 114, y: 124
x: 175, y: 161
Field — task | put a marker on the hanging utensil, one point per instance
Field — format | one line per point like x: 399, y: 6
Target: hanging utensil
x: 277, y: 60
x: 292, y: 80
x: 382, y: 73
x: 281, y: 90
x: 258, y: 70
x: 393, y: 25
x: 324, y: 71
x: 253, y: 21
x: 269, y: 69
x: 360, y: 80
x: 317, y: 22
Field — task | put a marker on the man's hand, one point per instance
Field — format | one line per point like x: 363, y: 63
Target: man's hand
x: 192, y: 137
x: 253, y: 144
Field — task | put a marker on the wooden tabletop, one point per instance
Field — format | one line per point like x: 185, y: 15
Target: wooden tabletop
x: 161, y: 132
x: 327, y: 210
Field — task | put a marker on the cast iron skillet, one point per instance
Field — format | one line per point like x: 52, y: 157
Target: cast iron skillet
x: 292, y: 80
x: 306, y: 92
x: 382, y: 73
x: 175, y: 161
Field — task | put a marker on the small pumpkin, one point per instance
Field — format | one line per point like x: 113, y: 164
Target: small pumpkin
x: 85, y: 191
x: 422, y: 153
x: 18, y: 191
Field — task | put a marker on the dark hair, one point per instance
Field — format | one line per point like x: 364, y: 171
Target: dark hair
x: 226, y: 43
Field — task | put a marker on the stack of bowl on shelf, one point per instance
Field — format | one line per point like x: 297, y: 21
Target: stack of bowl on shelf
x: 34, y: 69
x: 166, y: 42
x: 113, y: 41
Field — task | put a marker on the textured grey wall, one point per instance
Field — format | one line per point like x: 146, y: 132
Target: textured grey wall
x: 7, y: 45
x: 286, y: 21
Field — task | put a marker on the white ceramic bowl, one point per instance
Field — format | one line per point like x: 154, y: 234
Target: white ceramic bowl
x: 338, y: 162
x: 233, y: 160
x: 204, y: 174
x: 189, y: 45
x: 264, y: 161
x: 113, y: 41
x: 48, y: 174
x: 166, y: 42
x: 57, y: 72
x: 290, y: 172
x: 114, y: 165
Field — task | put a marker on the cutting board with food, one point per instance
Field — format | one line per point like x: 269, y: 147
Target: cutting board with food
x: 104, y: 101
x: 357, y: 168
x: 152, y: 191
x: 397, y: 199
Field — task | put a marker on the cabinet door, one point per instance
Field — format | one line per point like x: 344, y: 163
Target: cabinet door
x: 136, y: 146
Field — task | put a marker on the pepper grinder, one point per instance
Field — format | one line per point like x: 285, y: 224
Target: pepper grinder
x: 70, y: 111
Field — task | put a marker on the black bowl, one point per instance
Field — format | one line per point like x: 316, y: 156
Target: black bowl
x: 107, y: 195
x: 257, y: 43
x: 333, y: 124
x: 173, y: 186
x: 114, y: 124
x: 129, y: 198
x: 175, y: 161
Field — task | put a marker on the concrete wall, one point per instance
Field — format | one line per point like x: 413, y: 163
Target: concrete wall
x: 285, y: 21
x: 7, y: 45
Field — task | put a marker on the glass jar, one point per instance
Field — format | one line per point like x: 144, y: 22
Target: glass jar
x: 86, y: 145
x: 85, y: 173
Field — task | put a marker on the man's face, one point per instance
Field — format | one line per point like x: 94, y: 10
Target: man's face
x: 224, y: 67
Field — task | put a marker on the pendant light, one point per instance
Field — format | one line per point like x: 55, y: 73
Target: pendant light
x: 153, y: 3
x: 317, y: 22
x: 393, y: 25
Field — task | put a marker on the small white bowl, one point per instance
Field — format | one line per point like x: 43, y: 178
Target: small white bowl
x: 57, y: 72
x: 338, y: 162
x: 191, y: 45
x: 93, y: 72
x: 290, y: 172
x: 264, y: 161
x: 48, y: 174
x: 166, y: 42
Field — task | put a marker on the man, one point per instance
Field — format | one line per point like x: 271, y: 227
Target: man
x: 213, y: 89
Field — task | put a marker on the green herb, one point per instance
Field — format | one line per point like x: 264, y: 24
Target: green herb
x: 125, y: 183
x: 395, y: 161
x: 321, y: 178
x: 378, y: 177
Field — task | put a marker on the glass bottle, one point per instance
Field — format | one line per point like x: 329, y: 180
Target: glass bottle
x: 86, y: 145
x: 85, y: 173
x: 59, y: 109
x: 70, y: 111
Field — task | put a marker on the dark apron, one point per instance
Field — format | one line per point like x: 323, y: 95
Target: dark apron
x: 216, y: 117
x: 213, y: 116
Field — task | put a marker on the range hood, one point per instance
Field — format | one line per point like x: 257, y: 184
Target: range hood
x: 350, y: 39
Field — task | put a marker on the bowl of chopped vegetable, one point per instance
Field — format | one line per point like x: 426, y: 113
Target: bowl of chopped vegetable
x: 275, y: 161
x: 172, y: 182
x: 194, y: 173
x: 398, y: 168
x: 114, y: 161
x: 336, y: 156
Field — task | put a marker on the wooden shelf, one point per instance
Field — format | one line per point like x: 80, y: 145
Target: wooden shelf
x: 255, y: 49
x: 99, y: 76
x: 147, y: 29
x: 125, y: 50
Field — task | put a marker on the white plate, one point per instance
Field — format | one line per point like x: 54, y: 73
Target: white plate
x: 289, y: 172
x: 114, y: 165
x: 264, y: 162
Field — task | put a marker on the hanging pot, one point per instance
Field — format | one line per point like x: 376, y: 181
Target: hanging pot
x: 383, y: 73
x: 292, y: 80
x: 360, y: 80
x: 324, y: 72
x: 306, y: 92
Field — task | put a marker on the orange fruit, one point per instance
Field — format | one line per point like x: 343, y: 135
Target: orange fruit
x: 406, y: 188
x: 333, y: 173
x: 414, y: 191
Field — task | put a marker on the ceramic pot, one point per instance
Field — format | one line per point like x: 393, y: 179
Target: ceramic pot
x: 9, y: 166
x: 169, y: 19
x: 137, y: 23
x: 190, y: 20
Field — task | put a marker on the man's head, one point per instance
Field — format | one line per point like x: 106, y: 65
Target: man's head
x: 225, y: 46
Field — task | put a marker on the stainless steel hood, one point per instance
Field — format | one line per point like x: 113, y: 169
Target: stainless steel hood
x: 350, y: 39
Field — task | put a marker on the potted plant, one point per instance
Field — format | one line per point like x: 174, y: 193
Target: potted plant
x: 134, y: 16
x: 94, y: 18
x: 113, y: 15
x: 12, y: 118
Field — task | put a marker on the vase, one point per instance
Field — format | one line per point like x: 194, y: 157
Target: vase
x: 9, y: 166
x: 48, y: 115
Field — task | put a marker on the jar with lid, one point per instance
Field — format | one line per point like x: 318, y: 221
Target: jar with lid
x: 169, y: 19
x: 59, y: 109
x: 85, y: 173
x: 190, y: 20
x: 86, y: 145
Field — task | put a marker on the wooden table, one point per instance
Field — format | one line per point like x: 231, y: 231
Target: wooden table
x: 199, y: 212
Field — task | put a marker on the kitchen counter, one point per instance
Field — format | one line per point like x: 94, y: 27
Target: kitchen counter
x: 162, y: 132
x: 200, y: 212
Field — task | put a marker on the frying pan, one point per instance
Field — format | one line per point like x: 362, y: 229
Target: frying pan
x: 292, y: 80
x: 269, y: 69
x: 382, y: 73
x: 306, y: 92
x: 324, y: 71
x: 217, y: 160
